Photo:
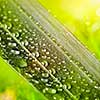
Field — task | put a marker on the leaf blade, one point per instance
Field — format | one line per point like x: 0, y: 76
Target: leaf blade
x: 53, y: 51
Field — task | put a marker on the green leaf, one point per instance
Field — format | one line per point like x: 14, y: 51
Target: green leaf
x: 46, y: 53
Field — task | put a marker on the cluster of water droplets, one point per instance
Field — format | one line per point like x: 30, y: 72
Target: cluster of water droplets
x: 49, y: 56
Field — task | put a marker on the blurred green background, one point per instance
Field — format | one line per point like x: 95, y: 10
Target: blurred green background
x: 82, y: 17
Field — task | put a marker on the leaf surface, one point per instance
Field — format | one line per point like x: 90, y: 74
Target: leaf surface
x: 47, y: 55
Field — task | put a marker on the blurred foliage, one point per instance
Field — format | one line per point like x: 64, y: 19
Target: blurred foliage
x: 82, y: 17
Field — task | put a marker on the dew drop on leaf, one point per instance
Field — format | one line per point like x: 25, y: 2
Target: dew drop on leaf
x: 28, y: 75
x: 50, y: 90
x: 44, y: 80
x: 45, y: 63
x: 45, y: 75
x: 37, y: 54
x: 57, y: 97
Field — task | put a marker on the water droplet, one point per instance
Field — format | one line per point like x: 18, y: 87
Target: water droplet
x: 86, y: 84
x: 60, y: 90
x: 45, y: 75
x: 12, y: 51
x: 22, y: 43
x: 35, y: 81
x: 63, y: 62
x: 0, y: 38
x: 44, y: 50
x: 82, y: 90
x: 20, y: 30
x: 47, y: 53
x: 45, y: 63
x: 55, y: 57
x: 12, y: 44
x: 44, y: 44
x: 17, y: 52
x: 71, y: 61
x: 44, y: 90
x: 9, y: 12
x: 51, y: 90
x: 87, y: 91
x: 53, y: 71
x: 37, y: 68
x: 44, y: 80
x: 96, y: 87
x: 16, y: 20
x: 74, y: 82
x: 68, y: 86
x: 4, y: 17
x: 28, y: 75
x: 37, y: 23
x: 9, y: 25
x: 65, y: 86
x: 78, y: 87
x: 58, y: 97
x: 70, y: 77
x: 37, y: 54
x: 33, y: 54
x: 86, y: 98
x: 9, y: 19
x: 5, y: 26
x: 3, y: 6
x: 26, y: 43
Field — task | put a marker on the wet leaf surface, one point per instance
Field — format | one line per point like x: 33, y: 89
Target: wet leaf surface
x: 34, y: 53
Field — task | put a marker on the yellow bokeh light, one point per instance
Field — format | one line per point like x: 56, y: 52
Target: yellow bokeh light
x: 98, y: 12
x: 79, y: 8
